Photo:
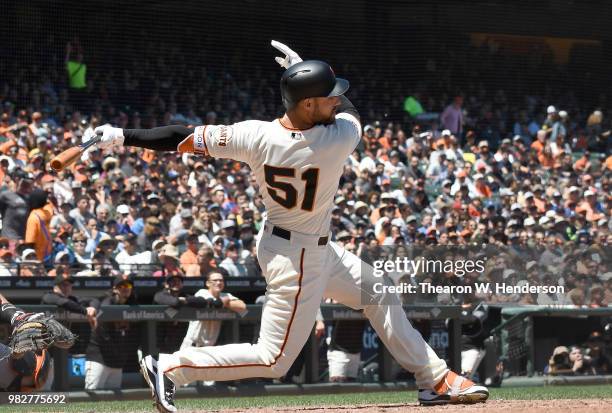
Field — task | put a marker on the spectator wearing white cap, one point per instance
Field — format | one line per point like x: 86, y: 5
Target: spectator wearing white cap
x: 555, y: 128
x: 484, y: 155
x: 528, y: 199
x: 124, y: 219
x: 557, y: 202
x: 453, y: 151
x: 30, y: 265
x: 559, y: 134
x: 551, y: 117
x: 228, y: 229
x: 594, y: 209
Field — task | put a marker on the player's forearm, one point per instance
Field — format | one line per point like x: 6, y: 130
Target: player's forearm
x: 166, y: 299
x: 165, y: 138
x: 90, y: 302
x: 8, y: 312
x: 197, y: 302
x: 237, y: 306
x: 73, y: 307
x: 347, y: 106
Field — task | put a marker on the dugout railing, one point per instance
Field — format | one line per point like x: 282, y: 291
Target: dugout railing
x: 149, y: 316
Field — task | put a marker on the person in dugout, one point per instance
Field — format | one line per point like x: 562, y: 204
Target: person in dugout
x: 61, y: 296
x: 112, y: 343
x: 170, y: 334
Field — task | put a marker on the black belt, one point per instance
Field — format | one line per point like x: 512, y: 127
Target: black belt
x: 286, y: 234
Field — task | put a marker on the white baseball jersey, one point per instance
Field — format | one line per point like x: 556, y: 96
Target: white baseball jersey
x: 297, y: 170
x: 204, y: 332
x: 298, y: 173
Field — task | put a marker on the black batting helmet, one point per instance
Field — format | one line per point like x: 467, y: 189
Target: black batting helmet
x: 310, y: 79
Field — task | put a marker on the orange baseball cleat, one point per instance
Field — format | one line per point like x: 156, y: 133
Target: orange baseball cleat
x: 453, y: 389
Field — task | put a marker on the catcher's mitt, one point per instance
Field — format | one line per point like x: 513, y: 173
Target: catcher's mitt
x: 36, y: 332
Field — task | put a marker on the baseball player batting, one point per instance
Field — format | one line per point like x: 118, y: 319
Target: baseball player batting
x: 297, y: 161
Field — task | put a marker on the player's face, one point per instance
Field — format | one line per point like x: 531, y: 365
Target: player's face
x: 215, y: 283
x: 323, y: 110
x: 175, y: 284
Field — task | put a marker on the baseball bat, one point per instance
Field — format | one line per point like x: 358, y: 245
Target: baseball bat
x: 70, y: 155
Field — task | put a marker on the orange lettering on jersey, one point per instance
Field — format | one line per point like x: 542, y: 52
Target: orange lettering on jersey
x: 223, y: 136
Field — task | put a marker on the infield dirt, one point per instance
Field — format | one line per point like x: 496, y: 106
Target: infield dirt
x: 492, y: 406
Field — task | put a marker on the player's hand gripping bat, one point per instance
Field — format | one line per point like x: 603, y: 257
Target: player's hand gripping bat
x: 70, y: 155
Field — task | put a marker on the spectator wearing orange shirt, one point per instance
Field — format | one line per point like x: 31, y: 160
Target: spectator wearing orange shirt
x: 445, y: 140
x: 540, y: 142
x: 206, y: 263
x: 538, y: 199
x: 6, y: 164
x: 482, y: 189
x: 389, y: 204
x: 37, y: 226
x: 6, y: 129
x: 190, y: 257
x: 530, y: 202
x: 385, y: 140
x: 583, y: 164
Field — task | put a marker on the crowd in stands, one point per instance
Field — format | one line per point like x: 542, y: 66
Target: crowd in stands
x: 529, y: 177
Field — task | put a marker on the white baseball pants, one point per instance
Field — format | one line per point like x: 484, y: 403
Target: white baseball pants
x: 299, y: 273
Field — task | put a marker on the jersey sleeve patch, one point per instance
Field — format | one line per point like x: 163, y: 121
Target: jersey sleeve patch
x: 222, y: 135
x: 199, y: 144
